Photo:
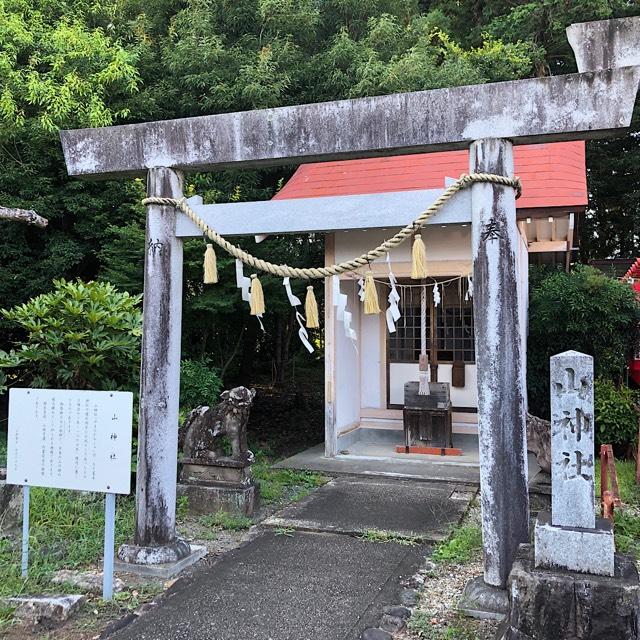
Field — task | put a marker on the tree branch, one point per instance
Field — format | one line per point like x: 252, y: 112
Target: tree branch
x: 23, y: 215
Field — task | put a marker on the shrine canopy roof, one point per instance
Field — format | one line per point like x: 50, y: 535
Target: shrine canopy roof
x: 553, y: 175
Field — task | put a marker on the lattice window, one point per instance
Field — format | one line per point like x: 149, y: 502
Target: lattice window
x: 454, y: 331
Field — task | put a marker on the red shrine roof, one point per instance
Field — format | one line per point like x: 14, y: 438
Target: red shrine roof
x: 552, y: 174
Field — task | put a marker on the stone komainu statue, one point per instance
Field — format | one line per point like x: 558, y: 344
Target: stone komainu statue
x: 539, y: 441
x: 203, y: 433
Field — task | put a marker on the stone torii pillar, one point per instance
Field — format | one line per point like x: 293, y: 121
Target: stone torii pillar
x: 155, y: 539
x: 499, y: 361
x: 592, y: 103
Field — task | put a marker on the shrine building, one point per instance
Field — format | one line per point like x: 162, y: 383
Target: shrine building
x: 365, y: 377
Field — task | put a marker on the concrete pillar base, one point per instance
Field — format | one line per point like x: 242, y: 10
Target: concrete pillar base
x: 154, y: 554
x: 483, y: 601
x: 158, y: 562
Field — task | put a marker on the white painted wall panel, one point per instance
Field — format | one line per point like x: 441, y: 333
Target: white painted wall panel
x: 347, y: 365
x: 452, y: 242
x: 372, y: 361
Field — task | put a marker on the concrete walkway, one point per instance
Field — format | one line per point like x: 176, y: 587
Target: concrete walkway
x: 308, y: 576
x: 378, y: 461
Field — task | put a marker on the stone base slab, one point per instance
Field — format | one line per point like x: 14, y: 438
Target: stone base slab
x: 49, y: 608
x: 587, y: 550
x: 548, y: 604
x: 162, y: 571
x: 203, y: 499
x: 483, y: 601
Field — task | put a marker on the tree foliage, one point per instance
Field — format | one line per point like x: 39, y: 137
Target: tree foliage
x: 586, y: 311
x: 79, y: 336
x: 616, y: 415
x: 76, y: 63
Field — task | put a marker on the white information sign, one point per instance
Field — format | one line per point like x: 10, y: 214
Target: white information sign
x: 70, y: 439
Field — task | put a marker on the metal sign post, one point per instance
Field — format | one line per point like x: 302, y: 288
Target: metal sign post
x: 109, y: 541
x: 26, y: 493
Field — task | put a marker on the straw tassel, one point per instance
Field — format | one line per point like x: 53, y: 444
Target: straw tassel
x: 210, y: 265
x: 418, y: 258
x: 370, y: 295
x: 311, y: 309
x: 257, y: 296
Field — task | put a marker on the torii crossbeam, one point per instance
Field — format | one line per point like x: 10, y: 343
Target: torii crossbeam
x: 488, y: 119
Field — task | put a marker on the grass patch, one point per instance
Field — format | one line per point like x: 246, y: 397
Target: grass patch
x: 627, y: 532
x: 629, y: 490
x: 627, y: 518
x: 459, y: 629
x: 381, y: 536
x: 222, y: 520
x: 66, y: 533
x: 464, y: 544
x: 284, y: 531
x: 278, y: 485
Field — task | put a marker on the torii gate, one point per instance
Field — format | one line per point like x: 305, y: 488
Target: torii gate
x: 488, y: 119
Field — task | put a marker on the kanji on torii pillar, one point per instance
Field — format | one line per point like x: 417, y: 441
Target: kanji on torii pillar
x: 488, y: 119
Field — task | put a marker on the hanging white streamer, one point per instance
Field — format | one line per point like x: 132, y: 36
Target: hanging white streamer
x: 293, y: 299
x: 361, y: 289
x: 393, y: 312
x: 436, y: 295
x: 302, y: 332
x: 295, y: 302
x: 344, y: 316
x: 244, y: 283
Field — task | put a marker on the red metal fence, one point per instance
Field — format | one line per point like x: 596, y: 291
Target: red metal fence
x: 609, y: 497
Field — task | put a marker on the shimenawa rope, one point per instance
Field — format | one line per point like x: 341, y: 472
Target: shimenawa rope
x: 310, y: 273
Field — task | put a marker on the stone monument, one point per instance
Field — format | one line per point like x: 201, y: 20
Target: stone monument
x: 571, y: 537
x: 572, y: 585
x: 216, y: 467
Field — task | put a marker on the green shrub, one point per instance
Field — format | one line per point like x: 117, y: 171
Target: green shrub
x: 199, y: 384
x: 615, y: 414
x: 78, y: 336
x: 583, y: 310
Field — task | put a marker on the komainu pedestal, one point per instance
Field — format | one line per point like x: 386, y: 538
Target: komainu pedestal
x: 216, y: 468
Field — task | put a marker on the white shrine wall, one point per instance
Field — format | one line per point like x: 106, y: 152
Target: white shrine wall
x: 449, y: 243
x: 347, y: 366
x: 448, y: 254
x: 365, y: 384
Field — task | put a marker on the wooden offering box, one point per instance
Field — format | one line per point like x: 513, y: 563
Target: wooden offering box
x: 427, y: 420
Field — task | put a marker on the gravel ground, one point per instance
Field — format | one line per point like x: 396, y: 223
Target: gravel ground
x: 436, y: 616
